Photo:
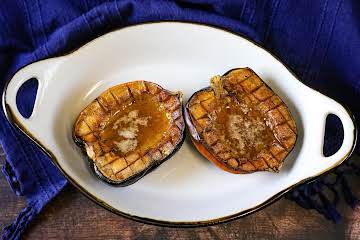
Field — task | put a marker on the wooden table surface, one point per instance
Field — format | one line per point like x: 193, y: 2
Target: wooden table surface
x: 72, y: 216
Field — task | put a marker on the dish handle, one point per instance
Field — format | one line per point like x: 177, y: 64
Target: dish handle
x: 330, y: 106
x: 39, y: 70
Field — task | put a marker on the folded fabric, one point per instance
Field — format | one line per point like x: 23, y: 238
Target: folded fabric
x: 318, y: 40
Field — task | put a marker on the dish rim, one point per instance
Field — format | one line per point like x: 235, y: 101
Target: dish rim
x: 183, y: 224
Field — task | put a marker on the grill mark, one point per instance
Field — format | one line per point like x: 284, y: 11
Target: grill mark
x: 252, y: 92
x: 247, y: 77
x: 273, y: 107
x: 130, y: 92
x: 116, y: 100
x: 146, y: 88
x: 103, y: 107
x: 249, y: 161
x: 87, y: 125
x: 141, y: 159
x: 272, y: 155
x: 261, y: 101
x: 111, y: 162
x: 277, y: 106
x: 264, y: 160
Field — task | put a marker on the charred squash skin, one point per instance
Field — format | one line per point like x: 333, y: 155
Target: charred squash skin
x: 244, y: 87
x: 98, y: 128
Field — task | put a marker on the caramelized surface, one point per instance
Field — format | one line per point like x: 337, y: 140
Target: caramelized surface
x: 240, y: 124
x: 129, y: 128
x: 242, y: 128
x: 142, y: 123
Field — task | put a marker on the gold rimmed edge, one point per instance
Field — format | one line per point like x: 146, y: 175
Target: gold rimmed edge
x: 14, y: 121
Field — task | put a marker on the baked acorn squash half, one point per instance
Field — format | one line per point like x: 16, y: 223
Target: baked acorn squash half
x: 129, y: 130
x: 240, y: 124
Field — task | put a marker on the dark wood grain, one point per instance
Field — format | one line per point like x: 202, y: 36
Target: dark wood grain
x: 72, y: 216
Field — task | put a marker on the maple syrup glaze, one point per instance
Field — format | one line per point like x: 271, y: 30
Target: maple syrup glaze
x: 138, y: 126
x: 242, y: 128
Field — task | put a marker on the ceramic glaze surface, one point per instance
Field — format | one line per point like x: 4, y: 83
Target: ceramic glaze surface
x: 179, y: 57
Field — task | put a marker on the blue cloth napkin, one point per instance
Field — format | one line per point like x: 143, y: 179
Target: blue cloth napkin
x: 318, y: 40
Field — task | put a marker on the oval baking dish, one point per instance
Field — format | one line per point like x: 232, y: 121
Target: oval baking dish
x: 187, y: 190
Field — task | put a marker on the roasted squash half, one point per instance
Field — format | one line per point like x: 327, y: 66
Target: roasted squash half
x: 240, y: 124
x: 129, y: 130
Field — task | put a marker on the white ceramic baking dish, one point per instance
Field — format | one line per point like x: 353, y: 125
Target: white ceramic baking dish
x: 187, y: 190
